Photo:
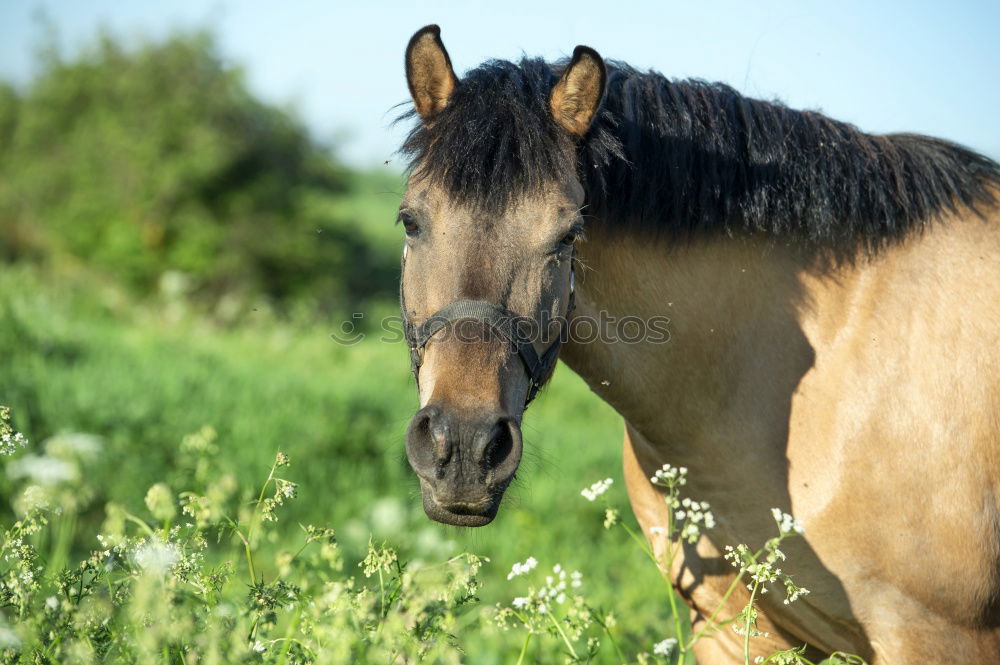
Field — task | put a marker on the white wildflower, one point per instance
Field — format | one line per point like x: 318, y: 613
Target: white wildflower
x: 8, y: 638
x: 694, y: 516
x: 597, y: 489
x: 786, y: 523
x: 42, y: 469
x: 665, y: 648
x: 522, y: 568
x: 10, y: 440
x: 669, y: 476
x: 34, y: 498
x: 156, y: 556
x: 74, y: 445
x: 793, y: 592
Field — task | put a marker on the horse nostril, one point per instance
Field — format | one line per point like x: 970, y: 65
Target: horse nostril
x: 502, y: 453
x: 426, y: 440
x: 500, y: 445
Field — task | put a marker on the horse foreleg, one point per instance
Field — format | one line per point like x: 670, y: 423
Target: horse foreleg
x: 698, y: 572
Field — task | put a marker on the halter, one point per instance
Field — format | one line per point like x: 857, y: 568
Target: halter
x: 496, y: 318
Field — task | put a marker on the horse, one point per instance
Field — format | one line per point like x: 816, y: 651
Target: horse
x: 833, y: 299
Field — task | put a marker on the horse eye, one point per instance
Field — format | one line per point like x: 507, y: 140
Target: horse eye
x: 408, y: 222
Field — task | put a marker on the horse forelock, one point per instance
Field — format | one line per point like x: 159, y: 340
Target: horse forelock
x: 496, y: 140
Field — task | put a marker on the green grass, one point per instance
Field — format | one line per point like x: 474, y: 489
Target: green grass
x: 77, y: 356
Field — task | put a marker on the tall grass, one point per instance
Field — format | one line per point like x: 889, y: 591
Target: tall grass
x: 80, y: 357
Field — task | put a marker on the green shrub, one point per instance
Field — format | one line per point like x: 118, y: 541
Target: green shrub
x: 156, y: 160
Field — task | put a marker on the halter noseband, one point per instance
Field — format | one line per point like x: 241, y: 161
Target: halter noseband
x: 497, y: 319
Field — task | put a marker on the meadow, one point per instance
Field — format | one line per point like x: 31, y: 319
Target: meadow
x: 80, y: 359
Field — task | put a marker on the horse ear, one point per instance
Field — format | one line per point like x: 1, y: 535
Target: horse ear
x: 577, y: 96
x: 428, y: 71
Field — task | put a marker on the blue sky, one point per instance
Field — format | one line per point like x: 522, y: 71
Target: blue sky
x: 919, y: 66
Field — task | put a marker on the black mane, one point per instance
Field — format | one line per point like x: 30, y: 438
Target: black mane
x: 694, y: 157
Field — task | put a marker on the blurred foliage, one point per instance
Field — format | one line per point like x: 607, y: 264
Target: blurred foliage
x: 156, y: 162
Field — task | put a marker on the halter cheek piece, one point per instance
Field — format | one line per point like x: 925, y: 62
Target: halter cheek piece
x: 498, y: 319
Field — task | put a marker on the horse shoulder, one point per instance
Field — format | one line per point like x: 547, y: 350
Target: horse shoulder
x: 893, y: 442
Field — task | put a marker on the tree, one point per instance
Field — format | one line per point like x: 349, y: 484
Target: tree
x: 139, y: 161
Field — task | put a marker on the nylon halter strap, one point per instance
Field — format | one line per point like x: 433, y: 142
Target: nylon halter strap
x: 497, y: 319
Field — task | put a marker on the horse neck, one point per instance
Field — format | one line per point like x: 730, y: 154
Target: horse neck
x: 735, y: 351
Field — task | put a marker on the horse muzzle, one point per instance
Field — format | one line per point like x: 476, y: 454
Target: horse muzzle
x: 464, y: 463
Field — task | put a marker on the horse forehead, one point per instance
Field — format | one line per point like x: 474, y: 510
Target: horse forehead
x: 530, y: 221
